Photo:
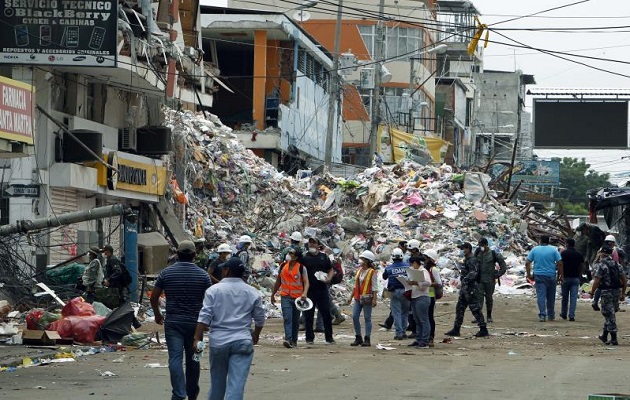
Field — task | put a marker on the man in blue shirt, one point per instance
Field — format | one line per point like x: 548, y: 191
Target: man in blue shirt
x: 184, y: 284
x: 228, y: 310
x: 399, y: 304
x: 547, y: 261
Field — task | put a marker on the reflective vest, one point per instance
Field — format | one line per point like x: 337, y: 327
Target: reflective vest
x: 364, y: 288
x: 291, y: 280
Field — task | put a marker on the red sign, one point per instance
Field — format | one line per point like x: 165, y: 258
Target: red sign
x: 16, y: 110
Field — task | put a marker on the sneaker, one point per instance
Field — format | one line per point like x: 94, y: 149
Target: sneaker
x: 294, y: 343
x: 405, y: 336
x: 490, y: 320
x: 287, y: 344
x: 551, y: 319
x: 595, y: 307
x: 385, y: 326
x: 398, y: 337
x: 332, y: 341
x: 415, y: 343
x: 563, y: 317
x: 541, y: 319
x: 453, y: 332
x: 431, y: 344
x: 310, y: 342
x: 339, y: 319
x: 474, y: 321
x: 422, y: 346
x: 572, y: 319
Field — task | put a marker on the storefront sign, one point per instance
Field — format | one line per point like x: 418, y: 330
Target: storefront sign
x: 59, y: 32
x: 128, y: 174
x: 16, y: 110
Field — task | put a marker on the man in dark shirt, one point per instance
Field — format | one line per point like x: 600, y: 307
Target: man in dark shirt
x: 184, y: 284
x: 573, y: 263
x: 118, y: 293
x: 215, y: 267
x: 316, y: 261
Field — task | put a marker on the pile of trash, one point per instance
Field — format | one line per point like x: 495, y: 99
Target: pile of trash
x: 229, y: 191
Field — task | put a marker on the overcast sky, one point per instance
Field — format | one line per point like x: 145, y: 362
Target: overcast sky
x: 553, y: 72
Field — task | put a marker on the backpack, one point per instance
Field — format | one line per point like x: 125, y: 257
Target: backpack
x: 125, y: 278
x: 615, y: 279
x: 338, y: 276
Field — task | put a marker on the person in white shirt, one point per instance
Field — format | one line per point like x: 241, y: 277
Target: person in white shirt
x: 420, y: 282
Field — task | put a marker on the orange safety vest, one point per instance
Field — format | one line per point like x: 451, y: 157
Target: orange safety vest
x: 291, y: 280
x: 365, y: 287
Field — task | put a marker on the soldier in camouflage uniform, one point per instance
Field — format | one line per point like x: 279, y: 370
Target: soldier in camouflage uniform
x: 610, y: 278
x: 469, y: 278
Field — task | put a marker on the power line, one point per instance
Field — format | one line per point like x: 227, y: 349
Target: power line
x: 540, y: 12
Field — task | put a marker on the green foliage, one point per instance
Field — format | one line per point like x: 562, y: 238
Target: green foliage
x: 576, y: 178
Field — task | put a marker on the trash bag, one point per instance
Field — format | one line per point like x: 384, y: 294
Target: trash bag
x: 137, y: 339
x: 101, y: 309
x: 38, y: 319
x: 77, y: 307
x: 68, y: 274
x: 117, y: 324
x: 82, y: 329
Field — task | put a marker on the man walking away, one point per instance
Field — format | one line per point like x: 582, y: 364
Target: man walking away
x: 609, y: 277
x: 612, y: 242
x: 117, y: 290
x: 469, y: 277
x: 228, y: 310
x: 184, y: 284
x: 488, y: 260
x: 573, y: 267
x: 243, y: 251
x: 215, y: 270
x: 546, y: 261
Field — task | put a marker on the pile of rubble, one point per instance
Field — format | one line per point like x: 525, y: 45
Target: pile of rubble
x: 230, y: 191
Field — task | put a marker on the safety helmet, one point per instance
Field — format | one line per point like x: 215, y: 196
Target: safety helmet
x: 296, y: 236
x: 432, y: 254
x: 224, y: 248
x: 610, y: 238
x: 245, y: 239
x: 397, y: 254
x: 368, y: 255
x: 413, y: 244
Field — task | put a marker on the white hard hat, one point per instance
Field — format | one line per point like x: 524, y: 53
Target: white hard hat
x: 368, y: 255
x: 397, y: 253
x: 432, y: 254
x: 296, y: 236
x: 224, y: 248
x: 303, y: 305
x: 413, y: 244
x: 245, y: 239
x: 610, y: 238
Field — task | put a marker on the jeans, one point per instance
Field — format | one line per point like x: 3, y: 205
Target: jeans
x: 400, y: 309
x: 229, y: 368
x: 420, y: 307
x: 179, y: 338
x: 321, y: 300
x: 356, y: 317
x: 545, y: 295
x: 570, y: 288
x: 291, y: 316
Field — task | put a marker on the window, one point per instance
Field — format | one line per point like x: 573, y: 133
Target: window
x: 4, y: 211
x: 367, y: 34
x: 400, y: 43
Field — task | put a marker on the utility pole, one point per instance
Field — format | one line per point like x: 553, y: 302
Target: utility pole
x: 334, y: 97
x: 376, y: 93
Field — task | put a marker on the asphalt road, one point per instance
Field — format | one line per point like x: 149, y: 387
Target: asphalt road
x: 523, y: 359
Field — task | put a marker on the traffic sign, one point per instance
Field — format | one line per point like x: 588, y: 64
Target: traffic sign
x: 21, y: 191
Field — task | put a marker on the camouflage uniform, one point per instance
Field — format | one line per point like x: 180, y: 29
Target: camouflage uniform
x: 468, y: 293
x: 610, y: 291
x: 489, y: 274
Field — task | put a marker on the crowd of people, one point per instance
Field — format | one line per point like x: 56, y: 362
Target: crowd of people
x: 197, y: 303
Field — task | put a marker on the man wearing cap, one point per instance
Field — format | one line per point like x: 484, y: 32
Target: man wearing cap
x: 292, y: 282
x: 93, y: 274
x: 611, y: 242
x: 316, y: 261
x: 547, y: 261
x: 573, y: 267
x: 610, y: 278
x: 469, y: 275
x: 488, y: 260
x: 184, y: 285
x: 228, y: 310
x: 114, y: 277
x: 215, y: 269
x: 398, y: 304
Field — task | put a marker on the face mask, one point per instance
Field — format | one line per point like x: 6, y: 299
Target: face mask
x: 482, y: 249
x: 312, y: 250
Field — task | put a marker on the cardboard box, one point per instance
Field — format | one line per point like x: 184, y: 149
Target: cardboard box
x: 46, y: 338
x: 609, y: 396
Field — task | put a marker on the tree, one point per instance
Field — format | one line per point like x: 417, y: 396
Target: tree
x: 576, y: 178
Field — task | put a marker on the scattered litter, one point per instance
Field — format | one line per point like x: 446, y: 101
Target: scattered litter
x: 106, y: 374
x: 155, y: 365
x: 383, y: 347
x: 119, y: 360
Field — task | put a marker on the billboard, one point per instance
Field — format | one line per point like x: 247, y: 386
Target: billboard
x: 396, y: 146
x: 59, y: 32
x: 531, y: 172
x: 17, y: 107
x: 580, y: 124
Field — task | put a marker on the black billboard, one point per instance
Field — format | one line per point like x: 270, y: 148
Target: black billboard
x: 580, y: 124
x: 59, y: 32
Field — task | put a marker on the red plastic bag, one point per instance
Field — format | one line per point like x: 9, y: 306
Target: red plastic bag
x: 32, y: 318
x: 77, y: 307
x: 81, y: 329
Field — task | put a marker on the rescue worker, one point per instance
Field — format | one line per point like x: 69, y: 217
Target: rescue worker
x: 215, y: 267
x: 93, y: 275
x: 244, y: 253
x: 469, y: 275
x: 292, y: 283
x: 201, y: 258
x: 364, y: 296
x: 118, y: 292
x: 611, y: 242
x: 296, y: 243
x: 610, y: 278
x: 488, y: 260
x: 399, y: 304
x: 431, y: 257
